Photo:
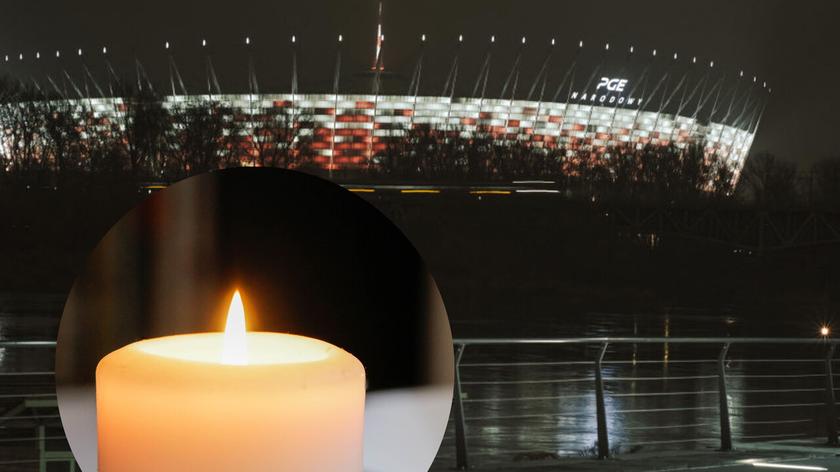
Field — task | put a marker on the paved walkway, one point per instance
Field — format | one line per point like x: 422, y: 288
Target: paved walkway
x: 770, y: 457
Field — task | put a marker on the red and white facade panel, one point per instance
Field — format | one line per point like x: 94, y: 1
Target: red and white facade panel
x: 349, y: 130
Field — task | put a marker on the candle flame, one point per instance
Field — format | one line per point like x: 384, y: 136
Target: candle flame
x: 235, y: 347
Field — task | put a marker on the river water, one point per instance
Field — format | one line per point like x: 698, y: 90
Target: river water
x: 531, y: 403
x: 528, y: 403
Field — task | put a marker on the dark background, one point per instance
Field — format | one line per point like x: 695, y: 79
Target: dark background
x: 309, y: 258
x: 789, y: 44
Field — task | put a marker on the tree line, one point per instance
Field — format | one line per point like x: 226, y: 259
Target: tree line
x: 50, y: 141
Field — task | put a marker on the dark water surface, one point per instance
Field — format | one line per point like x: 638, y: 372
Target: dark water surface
x: 525, y: 403
x: 529, y: 402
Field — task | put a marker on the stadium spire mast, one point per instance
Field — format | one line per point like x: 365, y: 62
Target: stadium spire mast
x: 336, y: 89
x: 377, y: 58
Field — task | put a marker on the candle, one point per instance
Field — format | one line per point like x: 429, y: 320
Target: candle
x: 232, y: 401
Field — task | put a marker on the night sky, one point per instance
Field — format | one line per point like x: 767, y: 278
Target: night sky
x: 791, y: 45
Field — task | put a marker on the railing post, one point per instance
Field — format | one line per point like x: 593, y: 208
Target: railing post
x: 830, y: 406
x: 725, y: 426
x: 462, y: 462
x: 601, y: 411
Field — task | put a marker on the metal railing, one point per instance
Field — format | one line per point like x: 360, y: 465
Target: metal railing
x: 755, y: 390
x: 710, y: 385
x: 24, y: 408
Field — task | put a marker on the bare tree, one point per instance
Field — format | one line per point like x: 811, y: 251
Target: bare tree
x: 769, y: 182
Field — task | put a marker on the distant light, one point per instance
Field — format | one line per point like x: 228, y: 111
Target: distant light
x: 742, y: 74
x: 80, y: 51
x: 7, y: 58
x: 423, y: 38
x: 37, y: 55
x: 523, y: 40
x: 654, y: 53
x: 825, y: 330
x: 460, y: 38
x: 607, y: 47
x: 553, y: 41
x: 21, y: 56
x: 341, y: 38
x: 580, y: 44
x: 104, y: 49
x: 787, y: 466
x: 712, y: 64
x: 536, y: 190
x: 167, y: 45
x: 294, y: 39
x: 248, y: 40
x: 694, y: 60
x: 204, y: 43
x: 755, y: 79
x: 382, y: 37
x: 632, y: 49
x: 58, y: 54
x: 764, y: 85
x: 493, y: 38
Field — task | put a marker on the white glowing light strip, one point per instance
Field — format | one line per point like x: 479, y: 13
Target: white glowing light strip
x: 536, y: 190
x: 534, y: 182
x: 788, y: 466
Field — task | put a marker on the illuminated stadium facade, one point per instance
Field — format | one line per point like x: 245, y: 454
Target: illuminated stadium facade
x: 590, y: 120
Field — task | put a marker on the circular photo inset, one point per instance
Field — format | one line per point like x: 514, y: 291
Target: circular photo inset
x: 259, y: 320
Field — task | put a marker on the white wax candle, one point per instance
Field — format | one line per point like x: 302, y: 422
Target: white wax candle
x: 179, y: 404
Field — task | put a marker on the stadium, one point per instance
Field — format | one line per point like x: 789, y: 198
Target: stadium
x: 602, y: 103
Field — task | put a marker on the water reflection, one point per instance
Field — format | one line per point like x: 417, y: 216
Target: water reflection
x: 533, y: 403
x: 526, y: 404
